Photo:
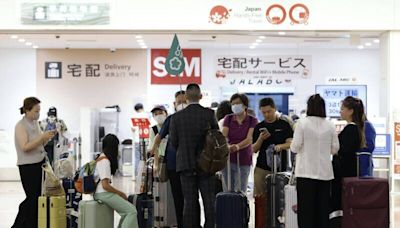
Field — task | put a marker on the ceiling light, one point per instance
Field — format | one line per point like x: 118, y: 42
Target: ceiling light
x: 376, y: 41
x: 28, y: 43
x: 360, y: 47
x: 138, y: 37
x: 35, y: 46
x: 144, y: 47
x: 368, y: 44
x: 140, y: 41
x: 258, y: 41
x: 261, y: 37
x: 282, y: 33
x: 252, y: 47
x: 346, y: 36
x: 21, y: 40
x: 142, y: 44
x: 14, y: 37
x: 254, y: 44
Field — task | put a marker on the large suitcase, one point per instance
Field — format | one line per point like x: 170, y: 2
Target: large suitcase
x: 164, y: 208
x: 290, y: 205
x: 232, y: 207
x: 145, y: 209
x: 72, y: 196
x: 144, y: 202
x: 52, y: 212
x: 260, y: 202
x: 275, y: 195
x: 94, y: 214
x: 365, y: 202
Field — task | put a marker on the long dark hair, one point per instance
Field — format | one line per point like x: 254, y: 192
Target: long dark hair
x: 316, y: 106
x: 224, y: 109
x: 110, y: 149
x: 358, y: 116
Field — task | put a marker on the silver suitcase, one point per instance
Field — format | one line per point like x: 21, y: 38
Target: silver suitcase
x: 93, y: 214
x: 164, y: 208
x: 290, y: 203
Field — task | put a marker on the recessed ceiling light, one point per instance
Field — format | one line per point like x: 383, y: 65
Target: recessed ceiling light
x: 252, y: 47
x: 35, y: 46
x: 261, y: 37
x: 28, y: 43
x: 346, y: 36
x: 140, y: 41
x: 144, y: 47
x: 21, y: 40
x: 138, y: 37
x: 258, y: 41
x: 360, y: 47
x: 14, y: 37
x: 282, y: 33
x: 376, y: 41
x: 368, y: 44
x: 254, y: 44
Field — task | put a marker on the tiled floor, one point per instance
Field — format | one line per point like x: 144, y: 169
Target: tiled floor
x: 11, y: 194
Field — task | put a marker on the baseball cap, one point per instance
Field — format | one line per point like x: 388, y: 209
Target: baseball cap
x: 159, y: 108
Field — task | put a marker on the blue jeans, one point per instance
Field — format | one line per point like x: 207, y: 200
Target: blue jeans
x: 244, y: 177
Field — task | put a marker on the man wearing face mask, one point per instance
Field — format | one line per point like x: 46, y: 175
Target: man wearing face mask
x: 180, y: 103
x: 52, y: 123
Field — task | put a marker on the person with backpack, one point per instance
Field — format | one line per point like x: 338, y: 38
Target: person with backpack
x: 170, y: 155
x: 106, y: 167
x: 188, y: 129
x: 238, y: 129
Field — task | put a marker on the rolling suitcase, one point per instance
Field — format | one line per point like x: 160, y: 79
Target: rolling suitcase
x: 94, y: 214
x: 72, y: 202
x: 275, y: 194
x: 164, y: 208
x: 52, y: 212
x: 365, y: 202
x: 232, y: 207
x: 290, y: 205
x: 144, y: 202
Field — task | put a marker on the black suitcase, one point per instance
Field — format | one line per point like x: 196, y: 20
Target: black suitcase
x: 232, y: 207
x: 145, y: 209
x: 72, y: 196
x: 144, y: 202
x: 275, y: 194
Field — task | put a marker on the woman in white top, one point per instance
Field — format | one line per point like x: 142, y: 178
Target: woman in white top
x: 29, y: 144
x: 314, y: 141
x: 117, y: 200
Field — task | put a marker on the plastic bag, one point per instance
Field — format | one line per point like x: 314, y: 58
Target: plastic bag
x: 51, y: 185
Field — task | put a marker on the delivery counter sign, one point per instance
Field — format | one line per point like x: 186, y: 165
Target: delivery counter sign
x: 175, y: 66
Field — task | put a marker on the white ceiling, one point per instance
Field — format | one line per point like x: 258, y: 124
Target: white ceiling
x: 193, y: 39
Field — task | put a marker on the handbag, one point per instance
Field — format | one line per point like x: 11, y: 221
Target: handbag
x: 162, y: 162
x: 51, y: 185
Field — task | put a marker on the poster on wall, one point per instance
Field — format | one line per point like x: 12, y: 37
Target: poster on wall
x: 191, y: 73
x: 244, y: 70
x: 397, y: 140
x: 335, y: 94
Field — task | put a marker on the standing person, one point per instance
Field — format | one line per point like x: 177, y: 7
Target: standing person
x: 238, y: 129
x: 106, y: 167
x: 351, y: 139
x: 271, y: 131
x: 187, y: 133
x: 170, y: 155
x: 52, y: 122
x: 366, y: 163
x: 314, y: 141
x: 160, y: 114
x: 29, y: 144
x: 224, y: 109
x: 140, y: 114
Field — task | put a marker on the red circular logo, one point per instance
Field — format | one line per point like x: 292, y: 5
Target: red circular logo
x: 276, y: 19
x: 219, y: 15
x: 303, y: 14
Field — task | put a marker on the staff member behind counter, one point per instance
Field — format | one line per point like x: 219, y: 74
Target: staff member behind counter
x: 29, y: 144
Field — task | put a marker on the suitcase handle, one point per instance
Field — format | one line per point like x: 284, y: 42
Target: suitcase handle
x: 229, y: 171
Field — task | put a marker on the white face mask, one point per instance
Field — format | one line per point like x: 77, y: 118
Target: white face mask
x: 237, y: 109
x: 160, y: 119
x: 181, y: 107
x: 52, y: 119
